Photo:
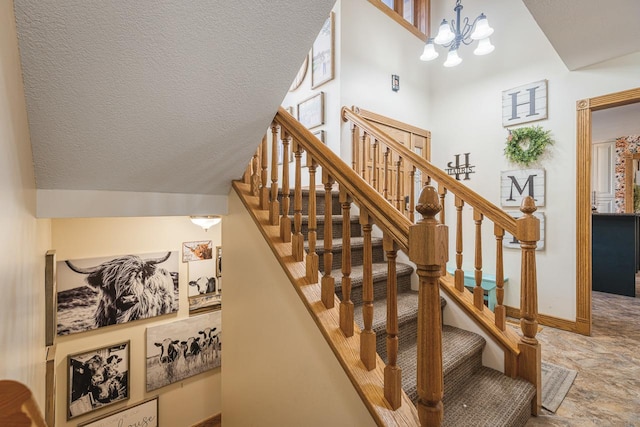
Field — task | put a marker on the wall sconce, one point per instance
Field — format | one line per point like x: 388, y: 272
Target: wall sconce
x: 206, y: 222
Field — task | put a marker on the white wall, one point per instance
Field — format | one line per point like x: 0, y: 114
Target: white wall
x: 183, y: 403
x: 466, y: 117
x: 278, y: 368
x: 24, y: 239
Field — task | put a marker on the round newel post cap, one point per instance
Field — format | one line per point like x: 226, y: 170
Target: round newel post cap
x: 528, y: 205
x: 428, y: 203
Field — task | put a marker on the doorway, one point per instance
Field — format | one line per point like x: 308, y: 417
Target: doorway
x: 585, y: 108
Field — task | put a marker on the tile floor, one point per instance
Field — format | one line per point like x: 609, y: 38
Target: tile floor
x: 606, y: 391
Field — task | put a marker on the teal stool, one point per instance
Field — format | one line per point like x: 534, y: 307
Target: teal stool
x: 488, y: 286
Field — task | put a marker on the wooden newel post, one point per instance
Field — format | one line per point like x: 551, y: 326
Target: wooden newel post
x: 428, y: 249
x: 528, y: 228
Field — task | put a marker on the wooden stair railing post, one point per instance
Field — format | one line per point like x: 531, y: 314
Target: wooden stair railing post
x: 363, y: 164
x: 385, y: 190
x: 529, y: 363
x: 255, y: 176
x: 442, y: 193
x: 374, y: 165
x: 412, y: 193
x: 478, y: 292
x: 328, y: 282
x: 285, y: 221
x: 398, y: 185
x: 367, y: 336
x: 500, y: 310
x: 459, y: 274
x: 264, y: 190
x: 392, y: 372
x: 354, y: 148
x: 274, y: 211
x: 312, y: 256
x: 428, y: 243
x: 297, y: 241
x: 346, y: 305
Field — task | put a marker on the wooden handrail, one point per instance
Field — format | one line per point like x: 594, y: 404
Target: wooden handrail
x: 384, y: 214
x: 18, y: 407
x: 488, y: 209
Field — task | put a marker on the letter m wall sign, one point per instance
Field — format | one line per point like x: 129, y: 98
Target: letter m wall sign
x: 524, y: 104
x: 517, y: 184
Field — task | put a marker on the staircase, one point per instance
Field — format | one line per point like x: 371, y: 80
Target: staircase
x: 474, y: 395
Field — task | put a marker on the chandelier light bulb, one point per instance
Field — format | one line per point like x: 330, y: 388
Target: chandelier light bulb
x: 452, y: 59
x: 429, y: 52
x: 484, y: 47
x: 482, y: 29
x: 445, y: 35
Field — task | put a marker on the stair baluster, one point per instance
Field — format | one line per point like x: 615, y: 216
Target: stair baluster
x: 285, y: 221
x: 255, y: 176
x: 442, y: 193
x: 297, y: 241
x: 354, y: 147
x: 529, y: 234
x: 459, y: 274
x: 428, y: 250
x: 312, y: 256
x: 412, y: 193
x: 274, y: 211
x: 398, y: 184
x: 374, y: 164
x: 478, y: 292
x: 365, y: 159
x: 264, y: 190
x: 346, y: 305
x: 500, y: 309
x: 368, y: 336
x: 392, y: 372
x: 328, y: 282
x: 385, y: 190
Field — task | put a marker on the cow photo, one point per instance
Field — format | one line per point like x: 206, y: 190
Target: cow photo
x: 204, y: 292
x: 98, y: 292
x: 183, y: 348
x: 197, y: 251
x: 97, y: 378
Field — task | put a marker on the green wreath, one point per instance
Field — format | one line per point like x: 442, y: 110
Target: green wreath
x: 535, y: 137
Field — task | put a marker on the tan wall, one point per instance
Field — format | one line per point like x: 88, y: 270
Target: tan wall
x: 181, y: 404
x: 278, y: 369
x: 23, y: 239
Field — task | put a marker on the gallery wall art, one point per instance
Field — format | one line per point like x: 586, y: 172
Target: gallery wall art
x: 183, y: 348
x: 203, y: 286
x: 97, y: 378
x: 197, y: 251
x: 98, y: 292
x: 143, y: 414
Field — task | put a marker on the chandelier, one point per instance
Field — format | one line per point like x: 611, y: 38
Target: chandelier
x: 459, y: 32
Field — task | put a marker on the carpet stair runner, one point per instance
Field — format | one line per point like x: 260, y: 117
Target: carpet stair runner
x: 474, y: 395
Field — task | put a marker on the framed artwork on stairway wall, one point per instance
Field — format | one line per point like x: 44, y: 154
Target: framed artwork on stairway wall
x: 97, y: 378
x: 311, y: 111
x: 197, y: 251
x: 322, y: 57
x: 144, y: 414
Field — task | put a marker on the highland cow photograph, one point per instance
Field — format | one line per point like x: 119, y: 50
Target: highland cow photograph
x: 98, y: 292
x: 183, y: 348
x: 197, y: 251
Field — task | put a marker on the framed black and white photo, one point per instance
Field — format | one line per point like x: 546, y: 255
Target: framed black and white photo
x: 322, y: 60
x: 197, y: 251
x: 183, y: 348
x: 97, y: 378
x: 311, y: 111
x: 141, y: 414
x: 203, y: 286
x: 98, y: 292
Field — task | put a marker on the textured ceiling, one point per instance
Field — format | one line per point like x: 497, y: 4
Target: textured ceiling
x: 156, y: 96
x: 585, y: 32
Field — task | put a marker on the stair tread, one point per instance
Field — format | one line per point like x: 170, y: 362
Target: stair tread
x: 458, y: 346
x: 378, y: 270
x: 407, y: 310
x: 489, y: 398
x: 356, y: 242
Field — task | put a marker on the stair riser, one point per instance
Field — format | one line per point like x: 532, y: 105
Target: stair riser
x: 379, y: 289
x: 336, y: 208
x: 356, y: 256
x: 336, y: 230
x: 456, y: 379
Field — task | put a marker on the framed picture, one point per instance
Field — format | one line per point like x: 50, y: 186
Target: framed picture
x: 203, y: 286
x: 218, y: 261
x: 311, y: 111
x: 183, y: 348
x: 97, y: 378
x: 322, y: 63
x: 302, y: 72
x: 98, y: 292
x: 197, y: 251
x: 144, y: 413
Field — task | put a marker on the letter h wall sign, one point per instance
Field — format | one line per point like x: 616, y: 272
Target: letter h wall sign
x: 524, y: 104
